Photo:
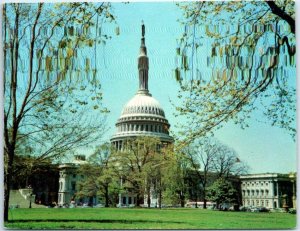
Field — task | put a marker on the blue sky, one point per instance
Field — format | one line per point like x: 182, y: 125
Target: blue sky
x: 264, y: 148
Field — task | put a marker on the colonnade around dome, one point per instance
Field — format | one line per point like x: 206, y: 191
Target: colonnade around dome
x: 142, y: 127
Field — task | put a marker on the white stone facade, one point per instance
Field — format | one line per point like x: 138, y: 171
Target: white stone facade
x: 270, y: 190
x: 68, y: 180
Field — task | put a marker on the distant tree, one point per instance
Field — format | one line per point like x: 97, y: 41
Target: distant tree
x: 176, y: 188
x: 44, y: 49
x: 147, y: 168
x: 169, y: 189
x: 249, y: 51
x: 200, y: 155
x: 222, y: 191
x: 99, y: 179
x: 227, y: 163
x: 209, y: 160
x: 133, y: 162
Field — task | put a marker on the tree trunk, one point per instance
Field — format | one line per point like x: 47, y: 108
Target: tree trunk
x: 204, y: 197
x: 7, y: 182
x: 196, y: 206
x: 160, y: 196
x: 6, y: 194
x: 181, y: 199
x: 148, y: 197
x: 204, y: 201
x: 106, y: 196
x: 138, y: 199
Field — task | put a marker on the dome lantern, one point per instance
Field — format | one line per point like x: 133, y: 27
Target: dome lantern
x: 143, y: 65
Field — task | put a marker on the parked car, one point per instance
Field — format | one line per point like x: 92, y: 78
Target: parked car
x: 85, y: 205
x: 245, y: 209
x: 263, y: 209
x: 254, y: 210
x: 99, y: 206
x: 292, y: 211
x: 278, y: 210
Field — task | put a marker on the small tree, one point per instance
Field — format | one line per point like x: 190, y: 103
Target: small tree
x: 99, y: 178
x: 200, y: 155
x: 133, y: 163
x: 222, y: 191
x: 210, y: 159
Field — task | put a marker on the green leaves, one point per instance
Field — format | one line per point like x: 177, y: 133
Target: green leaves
x: 222, y: 191
x: 245, y: 56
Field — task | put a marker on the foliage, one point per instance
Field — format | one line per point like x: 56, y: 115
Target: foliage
x: 99, y: 179
x: 136, y: 163
x: 115, y: 218
x: 26, y: 167
x: 175, y: 188
x: 209, y: 160
x: 222, y: 191
x: 146, y: 167
x: 47, y: 90
x: 250, y: 64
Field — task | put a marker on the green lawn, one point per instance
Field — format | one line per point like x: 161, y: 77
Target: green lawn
x: 114, y: 218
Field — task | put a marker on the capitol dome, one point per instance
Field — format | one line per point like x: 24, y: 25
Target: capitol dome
x: 142, y: 105
x: 143, y: 114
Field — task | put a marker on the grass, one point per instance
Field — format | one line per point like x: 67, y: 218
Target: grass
x: 114, y: 218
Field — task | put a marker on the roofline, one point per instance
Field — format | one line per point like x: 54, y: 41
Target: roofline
x: 267, y: 175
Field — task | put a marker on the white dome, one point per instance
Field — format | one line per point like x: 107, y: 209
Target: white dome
x: 143, y: 104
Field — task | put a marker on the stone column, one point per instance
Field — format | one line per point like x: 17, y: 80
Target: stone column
x: 277, y: 191
x: 294, y: 195
x: 120, y: 194
x: 120, y: 199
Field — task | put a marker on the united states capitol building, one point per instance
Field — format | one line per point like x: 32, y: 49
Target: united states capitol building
x: 143, y: 116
